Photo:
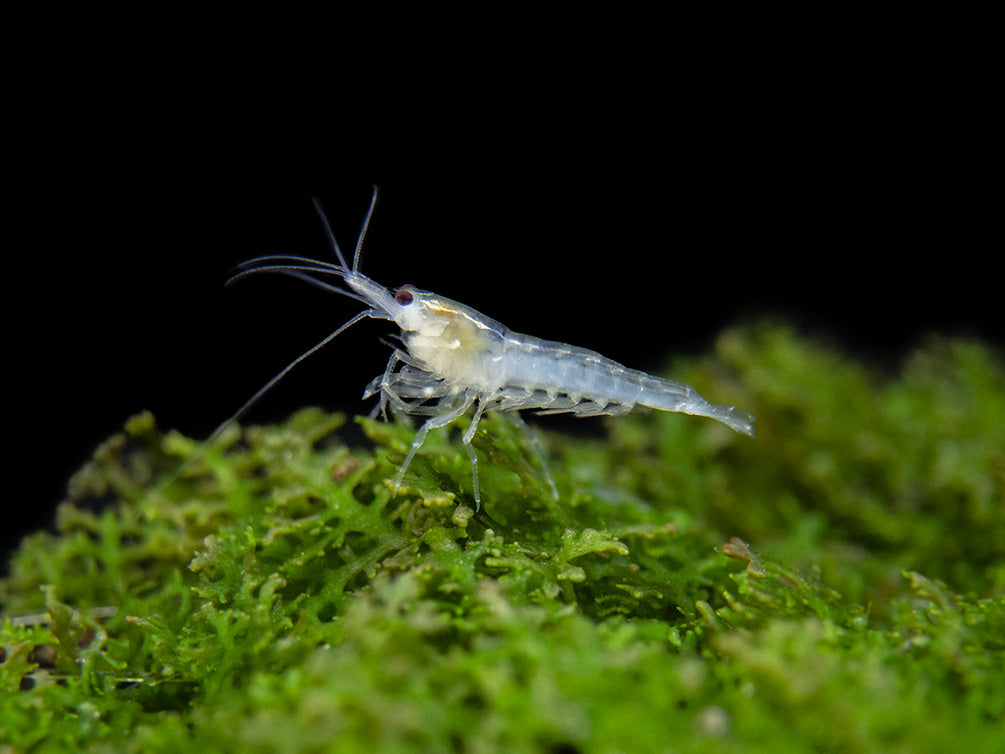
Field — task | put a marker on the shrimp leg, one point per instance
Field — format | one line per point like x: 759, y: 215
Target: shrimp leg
x: 434, y: 422
x: 535, y: 446
x: 468, y: 437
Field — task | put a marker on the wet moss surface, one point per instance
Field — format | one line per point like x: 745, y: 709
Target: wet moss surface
x: 835, y: 584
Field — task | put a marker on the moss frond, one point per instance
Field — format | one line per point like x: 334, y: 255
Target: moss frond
x: 835, y: 584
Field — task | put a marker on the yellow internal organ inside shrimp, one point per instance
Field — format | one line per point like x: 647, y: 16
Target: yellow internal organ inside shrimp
x: 454, y: 345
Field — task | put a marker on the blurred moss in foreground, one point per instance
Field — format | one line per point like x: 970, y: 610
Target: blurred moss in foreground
x: 835, y: 584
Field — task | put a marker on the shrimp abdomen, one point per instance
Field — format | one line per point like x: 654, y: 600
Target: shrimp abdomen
x: 559, y: 378
x: 670, y: 400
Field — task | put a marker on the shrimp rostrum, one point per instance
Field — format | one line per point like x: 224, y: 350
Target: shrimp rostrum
x: 455, y: 359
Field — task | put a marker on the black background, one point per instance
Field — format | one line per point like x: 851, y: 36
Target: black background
x: 633, y: 202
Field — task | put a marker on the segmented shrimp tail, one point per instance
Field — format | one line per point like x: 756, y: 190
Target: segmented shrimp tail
x: 731, y: 416
x: 666, y: 395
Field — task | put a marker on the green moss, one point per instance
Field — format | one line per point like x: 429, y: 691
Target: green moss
x: 836, y: 584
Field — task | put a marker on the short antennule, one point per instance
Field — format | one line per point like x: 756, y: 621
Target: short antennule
x: 328, y: 232
x: 362, y: 232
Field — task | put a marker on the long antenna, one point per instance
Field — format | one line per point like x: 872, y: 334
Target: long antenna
x: 262, y: 391
x: 286, y: 370
x: 298, y: 267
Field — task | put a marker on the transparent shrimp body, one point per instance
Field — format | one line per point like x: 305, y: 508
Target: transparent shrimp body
x: 456, y: 359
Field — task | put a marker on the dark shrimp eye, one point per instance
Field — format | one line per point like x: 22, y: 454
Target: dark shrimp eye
x: 404, y: 295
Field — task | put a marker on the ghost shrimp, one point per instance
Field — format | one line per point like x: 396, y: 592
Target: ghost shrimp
x: 456, y: 359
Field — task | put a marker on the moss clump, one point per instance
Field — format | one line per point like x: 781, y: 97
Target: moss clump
x: 836, y: 584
